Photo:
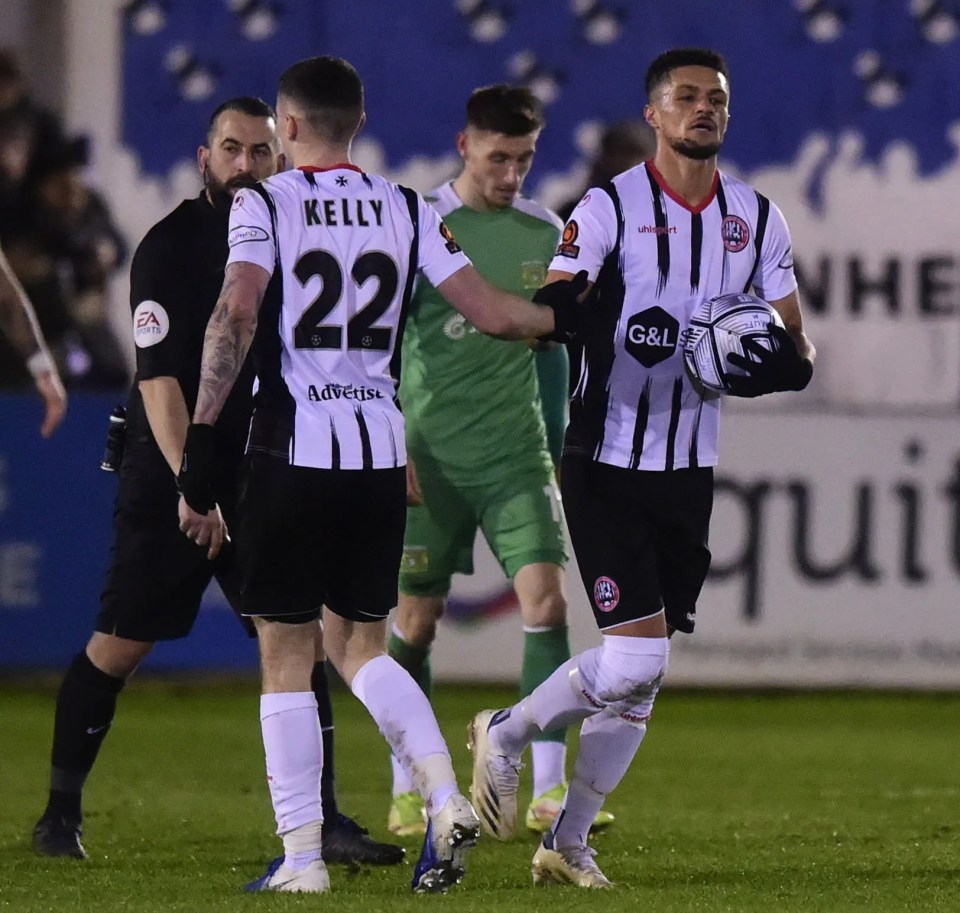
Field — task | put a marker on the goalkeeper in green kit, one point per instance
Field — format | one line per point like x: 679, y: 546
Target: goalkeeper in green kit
x: 479, y: 415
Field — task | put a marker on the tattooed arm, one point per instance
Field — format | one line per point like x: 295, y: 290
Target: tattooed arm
x: 228, y: 337
x: 225, y: 346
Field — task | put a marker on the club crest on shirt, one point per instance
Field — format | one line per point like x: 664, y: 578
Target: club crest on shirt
x: 533, y: 273
x: 735, y: 233
x: 567, y: 248
x: 151, y: 323
x: 415, y: 560
x: 451, y: 244
x: 606, y: 594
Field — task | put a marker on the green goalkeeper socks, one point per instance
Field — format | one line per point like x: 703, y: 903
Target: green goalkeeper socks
x: 544, y: 650
x: 416, y: 660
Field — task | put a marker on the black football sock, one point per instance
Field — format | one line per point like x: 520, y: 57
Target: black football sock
x: 328, y: 788
x: 86, y: 703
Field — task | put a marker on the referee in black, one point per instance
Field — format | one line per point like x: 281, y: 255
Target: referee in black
x: 157, y: 576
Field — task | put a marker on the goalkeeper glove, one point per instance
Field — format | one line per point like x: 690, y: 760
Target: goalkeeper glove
x: 773, y: 370
x: 561, y: 297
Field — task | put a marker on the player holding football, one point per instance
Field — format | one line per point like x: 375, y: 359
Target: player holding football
x: 459, y: 389
x: 637, y: 476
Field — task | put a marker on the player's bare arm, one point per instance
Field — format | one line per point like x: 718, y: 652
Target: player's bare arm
x: 506, y: 316
x: 226, y: 343
x: 229, y: 336
x: 789, y: 310
x: 19, y: 324
x: 493, y: 311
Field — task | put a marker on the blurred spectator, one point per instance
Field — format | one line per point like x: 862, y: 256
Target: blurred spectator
x: 623, y: 144
x: 63, y: 246
x: 43, y: 125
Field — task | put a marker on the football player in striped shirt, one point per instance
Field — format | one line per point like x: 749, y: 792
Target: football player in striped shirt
x: 319, y: 278
x: 637, y: 470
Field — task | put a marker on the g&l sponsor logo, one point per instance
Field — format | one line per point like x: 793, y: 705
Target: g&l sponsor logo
x: 652, y: 336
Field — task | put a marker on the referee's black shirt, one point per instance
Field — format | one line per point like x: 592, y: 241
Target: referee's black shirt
x: 175, y: 280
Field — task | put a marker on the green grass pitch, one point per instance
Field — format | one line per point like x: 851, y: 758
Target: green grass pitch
x: 736, y: 802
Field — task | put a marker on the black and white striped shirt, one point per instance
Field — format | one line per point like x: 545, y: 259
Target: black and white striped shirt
x: 343, y: 249
x: 653, y: 258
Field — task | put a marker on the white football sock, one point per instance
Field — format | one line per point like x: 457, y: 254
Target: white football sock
x: 402, y: 781
x: 608, y: 744
x: 405, y: 718
x: 294, y: 755
x: 549, y: 765
x: 553, y: 704
x: 301, y: 846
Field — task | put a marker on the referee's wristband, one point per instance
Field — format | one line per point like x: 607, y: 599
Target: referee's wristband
x: 40, y: 363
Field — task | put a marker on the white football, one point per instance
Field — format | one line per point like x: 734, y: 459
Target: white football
x: 719, y: 326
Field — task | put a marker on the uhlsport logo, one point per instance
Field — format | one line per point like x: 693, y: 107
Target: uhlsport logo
x: 606, y: 594
x: 735, y: 233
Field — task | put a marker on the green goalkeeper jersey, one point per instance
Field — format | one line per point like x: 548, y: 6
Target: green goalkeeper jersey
x: 472, y: 402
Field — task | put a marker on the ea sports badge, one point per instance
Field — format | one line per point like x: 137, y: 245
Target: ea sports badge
x: 150, y: 324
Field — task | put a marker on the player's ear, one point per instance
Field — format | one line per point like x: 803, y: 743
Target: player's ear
x: 462, y: 144
x: 650, y: 115
x: 281, y: 163
x: 363, y: 120
x: 203, y: 156
x: 290, y: 127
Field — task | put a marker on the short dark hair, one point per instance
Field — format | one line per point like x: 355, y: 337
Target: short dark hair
x: 513, y: 110
x: 330, y: 92
x: 659, y: 71
x: 244, y: 104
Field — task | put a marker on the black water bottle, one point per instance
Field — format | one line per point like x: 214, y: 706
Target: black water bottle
x: 116, y: 438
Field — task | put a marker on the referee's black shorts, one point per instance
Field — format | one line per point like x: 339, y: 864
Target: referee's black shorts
x: 309, y: 538
x: 640, y: 539
x: 157, y: 576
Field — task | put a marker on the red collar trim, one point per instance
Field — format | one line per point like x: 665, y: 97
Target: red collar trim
x: 313, y: 169
x: 704, y: 203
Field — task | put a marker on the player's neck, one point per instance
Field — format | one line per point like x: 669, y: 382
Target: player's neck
x: 690, y: 179
x: 321, y: 155
x: 471, y: 197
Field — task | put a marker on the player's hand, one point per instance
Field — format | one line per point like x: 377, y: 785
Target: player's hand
x: 769, y: 370
x: 197, y: 468
x: 562, y: 297
x: 55, y: 401
x: 208, y: 529
x: 414, y: 492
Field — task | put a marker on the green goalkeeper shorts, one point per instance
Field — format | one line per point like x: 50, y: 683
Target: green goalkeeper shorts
x: 520, y: 516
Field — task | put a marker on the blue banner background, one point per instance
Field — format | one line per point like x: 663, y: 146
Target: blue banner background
x: 56, y: 507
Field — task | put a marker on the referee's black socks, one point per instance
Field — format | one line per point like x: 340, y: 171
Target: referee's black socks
x: 86, y: 703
